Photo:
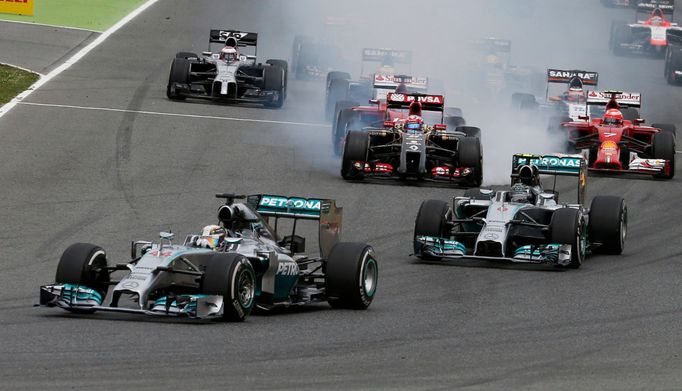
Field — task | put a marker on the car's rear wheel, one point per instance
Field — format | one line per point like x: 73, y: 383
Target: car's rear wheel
x: 351, y: 276
x: 83, y: 264
x: 608, y: 224
x: 354, y: 150
x: 669, y: 128
x: 567, y: 227
x: 231, y: 276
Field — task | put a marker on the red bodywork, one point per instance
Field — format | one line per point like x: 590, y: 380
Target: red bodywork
x: 610, y: 145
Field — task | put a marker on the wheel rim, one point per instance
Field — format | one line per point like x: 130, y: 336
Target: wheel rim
x: 245, y: 289
x: 369, y: 277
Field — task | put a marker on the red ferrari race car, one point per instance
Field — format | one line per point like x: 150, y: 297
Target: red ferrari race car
x: 642, y: 37
x: 411, y: 149
x: 612, y: 144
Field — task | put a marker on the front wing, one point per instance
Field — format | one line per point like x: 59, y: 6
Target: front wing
x: 81, y: 298
x: 446, y: 249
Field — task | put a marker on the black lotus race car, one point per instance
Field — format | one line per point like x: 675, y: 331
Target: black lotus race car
x: 228, y: 75
x: 433, y: 153
x: 226, y: 270
x: 524, y: 223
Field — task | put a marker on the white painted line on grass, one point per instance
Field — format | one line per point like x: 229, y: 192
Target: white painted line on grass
x: 80, y: 54
x: 51, y: 25
x: 160, y: 113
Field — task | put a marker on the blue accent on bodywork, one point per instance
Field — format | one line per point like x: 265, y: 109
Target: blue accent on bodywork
x: 71, y: 293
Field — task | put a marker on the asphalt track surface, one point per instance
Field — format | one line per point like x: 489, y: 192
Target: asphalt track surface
x: 108, y: 177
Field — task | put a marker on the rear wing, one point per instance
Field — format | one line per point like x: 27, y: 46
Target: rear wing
x: 557, y: 165
x: 378, y: 55
x: 667, y: 6
x: 323, y: 210
x: 243, y: 38
x: 429, y: 102
x: 564, y: 76
x: 392, y: 81
x: 602, y: 98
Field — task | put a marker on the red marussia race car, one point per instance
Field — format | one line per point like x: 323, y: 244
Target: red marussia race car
x: 645, y: 36
x: 622, y: 146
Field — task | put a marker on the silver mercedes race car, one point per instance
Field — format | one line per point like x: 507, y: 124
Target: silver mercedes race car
x: 525, y: 223
x: 228, y: 75
x: 226, y: 270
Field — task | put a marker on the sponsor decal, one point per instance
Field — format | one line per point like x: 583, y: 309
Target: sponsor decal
x: 287, y: 269
x: 290, y: 203
x: 130, y: 285
x: 491, y: 236
x: 561, y: 75
x: 18, y: 7
x: 428, y: 99
x: 556, y: 162
x: 502, y: 208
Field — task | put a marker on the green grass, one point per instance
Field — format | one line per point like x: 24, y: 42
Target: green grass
x: 96, y: 15
x: 13, y: 81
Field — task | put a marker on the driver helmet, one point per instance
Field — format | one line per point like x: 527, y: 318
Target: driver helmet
x: 414, y: 123
x: 401, y: 89
x: 529, y: 175
x: 229, y: 54
x: 212, y: 236
x: 613, y: 117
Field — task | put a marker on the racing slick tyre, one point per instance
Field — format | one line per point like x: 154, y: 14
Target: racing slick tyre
x: 608, y: 224
x: 273, y: 76
x: 179, y: 74
x: 284, y: 65
x: 620, y: 33
x: 337, y: 90
x: 664, y: 148
x: 81, y: 264
x: 186, y: 55
x: 629, y: 113
x: 355, y: 149
x: 351, y: 276
x: 299, y: 69
x: 340, y: 129
x: 231, y: 276
x: 470, y: 156
x: 567, y: 227
x: 673, y: 62
x: 668, y: 128
x: 431, y: 221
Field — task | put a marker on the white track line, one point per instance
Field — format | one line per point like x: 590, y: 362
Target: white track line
x: 160, y: 113
x: 51, y: 25
x: 80, y: 54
